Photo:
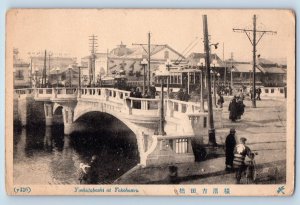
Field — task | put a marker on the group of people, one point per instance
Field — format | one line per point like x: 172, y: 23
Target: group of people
x: 224, y: 90
x: 257, y: 93
x: 236, y: 108
x: 183, y: 95
x: 235, y: 154
x: 136, y: 93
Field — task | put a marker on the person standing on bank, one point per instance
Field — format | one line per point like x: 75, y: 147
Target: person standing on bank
x: 230, y: 143
x: 220, y: 100
x: 233, y: 110
x: 240, y: 153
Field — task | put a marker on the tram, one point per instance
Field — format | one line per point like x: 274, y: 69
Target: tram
x: 175, y: 79
x: 118, y: 82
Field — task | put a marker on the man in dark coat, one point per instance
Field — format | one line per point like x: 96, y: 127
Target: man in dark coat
x: 233, y: 110
x: 230, y: 143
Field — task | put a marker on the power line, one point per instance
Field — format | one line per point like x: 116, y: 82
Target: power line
x: 254, y: 42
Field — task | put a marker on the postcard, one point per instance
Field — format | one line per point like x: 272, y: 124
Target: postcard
x: 176, y: 102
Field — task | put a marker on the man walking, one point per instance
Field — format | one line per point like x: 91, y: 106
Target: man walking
x: 233, y: 110
x: 240, y: 153
x: 230, y: 143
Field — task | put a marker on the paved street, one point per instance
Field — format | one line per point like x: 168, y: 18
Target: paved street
x: 264, y: 127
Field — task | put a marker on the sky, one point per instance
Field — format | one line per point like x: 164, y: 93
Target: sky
x: 68, y: 31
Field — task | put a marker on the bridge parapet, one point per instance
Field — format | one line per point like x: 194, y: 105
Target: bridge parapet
x: 23, y: 91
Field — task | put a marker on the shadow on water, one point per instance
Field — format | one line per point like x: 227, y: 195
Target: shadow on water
x: 102, y: 135
x: 111, y: 141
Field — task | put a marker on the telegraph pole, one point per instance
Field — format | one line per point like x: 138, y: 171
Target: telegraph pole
x: 254, y: 43
x: 225, y: 68
x: 149, y: 62
x: 44, y: 71
x: 211, y: 128
x: 148, y: 52
x: 93, y: 48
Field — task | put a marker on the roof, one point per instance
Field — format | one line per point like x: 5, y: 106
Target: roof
x: 194, y: 58
x: 244, y: 68
x: 272, y: 69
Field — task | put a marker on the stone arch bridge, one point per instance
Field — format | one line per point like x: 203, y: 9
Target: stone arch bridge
x: 185, y: 124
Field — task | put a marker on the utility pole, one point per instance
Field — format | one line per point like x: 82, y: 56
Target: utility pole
x: 49, y: 66
x: 254, y: 43
x: 149, y: 62
x: 93, y: 49
x: 225, y: 68
x: 148, y: 52
x: 211, y: 128
x: 44, y: 71
x: 231, y: 77
x: 30, y: 71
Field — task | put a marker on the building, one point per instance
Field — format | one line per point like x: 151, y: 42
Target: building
x: 128, y: 61
x: 268, y: 73
x: 47, y: 64
x: 21, y: 69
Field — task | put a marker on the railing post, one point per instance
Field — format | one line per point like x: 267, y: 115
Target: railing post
x: 79, y: 93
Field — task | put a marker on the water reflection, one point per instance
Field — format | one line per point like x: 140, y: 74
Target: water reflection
x: 44, y: 155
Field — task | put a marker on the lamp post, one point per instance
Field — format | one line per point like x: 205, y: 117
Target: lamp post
x: 231, y: 77
x: 213, y: 72
x: 144, y: 62
x: 161, y: 130
x: 218, y: 75
x: 36, y: 77
x: 70, y: 73
x: 168, y: 65
x: 57, y: 70
x: 211, y: 127
x: 200, y: 65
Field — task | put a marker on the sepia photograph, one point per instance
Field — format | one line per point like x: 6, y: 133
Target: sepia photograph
x: 186, y: 102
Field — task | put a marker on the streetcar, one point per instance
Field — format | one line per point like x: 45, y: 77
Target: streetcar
x: 175, y: 79
x: 118, y: 82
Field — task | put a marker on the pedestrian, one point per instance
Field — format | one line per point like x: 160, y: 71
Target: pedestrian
x: 230, y: 143
x: 258, y: 93
x: 240, y: 153
x: 92, y: 174
x: 220, y: 100
x: 180, y: 94
x: 240, y: 108
x: 186, y: 96
x: 232, y: 108
x: 138, y: 94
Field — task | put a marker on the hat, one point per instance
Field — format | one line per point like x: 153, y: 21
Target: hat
x: 243, y: 139
x: 232, y: 130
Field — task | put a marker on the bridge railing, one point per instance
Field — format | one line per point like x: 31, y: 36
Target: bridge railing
x: 109, y: 94
x: 24, y: 91
x: 43, y: 92
x: 142, y: 103
x: 183, y: 106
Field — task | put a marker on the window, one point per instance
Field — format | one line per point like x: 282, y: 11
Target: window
x: 272, y: 90
x: 266, y: 90
x: 181, y: 146
x: 19, y: 75
x: 281, y: 90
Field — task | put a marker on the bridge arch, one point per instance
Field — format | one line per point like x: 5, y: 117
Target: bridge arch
x: 139, y: 134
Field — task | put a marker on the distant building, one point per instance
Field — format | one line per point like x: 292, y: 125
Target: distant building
x: 128, y: 60
x: 50, y: 64
x: 268, y: 73
x: 21, y: 71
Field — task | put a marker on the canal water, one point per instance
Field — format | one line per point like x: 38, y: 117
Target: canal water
x: 44, y: 155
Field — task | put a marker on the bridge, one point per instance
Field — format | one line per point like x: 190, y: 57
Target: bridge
x: 185, y: 123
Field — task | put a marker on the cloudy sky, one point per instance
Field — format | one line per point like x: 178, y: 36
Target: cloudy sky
x: 67, y: 31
